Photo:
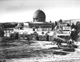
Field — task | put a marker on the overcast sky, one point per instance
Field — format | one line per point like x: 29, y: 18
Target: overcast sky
x: 23, y: 10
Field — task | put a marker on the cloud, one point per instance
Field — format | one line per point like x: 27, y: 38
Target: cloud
x: 22, y: 10
x: 32, y: 4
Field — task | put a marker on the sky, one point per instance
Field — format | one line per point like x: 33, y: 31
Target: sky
x: 23, y: 10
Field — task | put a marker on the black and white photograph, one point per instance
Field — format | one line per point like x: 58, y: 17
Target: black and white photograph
x: 39, y: 30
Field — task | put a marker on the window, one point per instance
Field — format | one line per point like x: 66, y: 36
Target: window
x: 49, y: 29
x: 33, y: 29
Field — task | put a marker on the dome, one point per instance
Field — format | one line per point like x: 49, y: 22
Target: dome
x: 39, y: 16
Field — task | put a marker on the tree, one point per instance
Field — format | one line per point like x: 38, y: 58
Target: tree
x: 72, y: 26
x: 55, y: 24
x: 60, y: 21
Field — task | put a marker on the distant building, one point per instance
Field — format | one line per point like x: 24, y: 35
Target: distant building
x: 8, y: 28
x: 39, y: 22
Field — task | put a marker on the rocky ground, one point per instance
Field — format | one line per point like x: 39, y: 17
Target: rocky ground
x: 40, y: 51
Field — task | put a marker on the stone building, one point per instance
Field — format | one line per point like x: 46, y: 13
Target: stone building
x: 39, y: 22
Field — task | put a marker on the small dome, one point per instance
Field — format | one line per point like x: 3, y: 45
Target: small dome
x: 39, y: 16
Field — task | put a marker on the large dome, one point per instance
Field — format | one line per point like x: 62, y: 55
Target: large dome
x: 39, y: 16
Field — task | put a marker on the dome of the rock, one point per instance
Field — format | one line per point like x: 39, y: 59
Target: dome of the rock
x: 39, y: 16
